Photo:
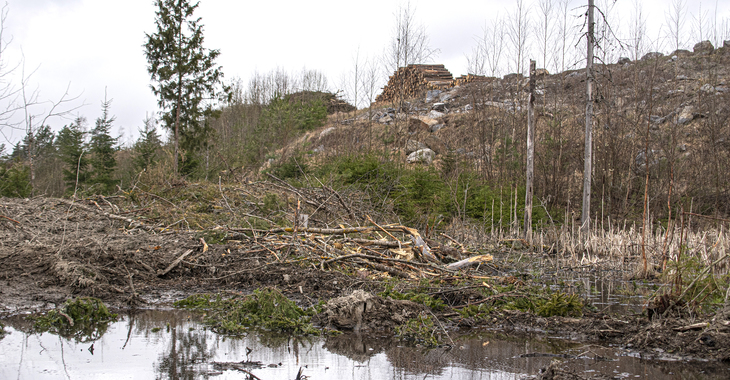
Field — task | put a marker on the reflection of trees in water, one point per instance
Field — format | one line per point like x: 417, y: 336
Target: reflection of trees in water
x: 357, y: 347
x: 187, y: 350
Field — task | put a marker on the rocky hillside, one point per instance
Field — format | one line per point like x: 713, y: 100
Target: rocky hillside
x: 677, y: 104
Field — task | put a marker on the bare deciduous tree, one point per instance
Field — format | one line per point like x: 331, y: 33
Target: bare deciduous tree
x: 409, y: 43
x: 545, y: 28
x: 517, y: 28
x: 637, y: 31
x: 675, y: 19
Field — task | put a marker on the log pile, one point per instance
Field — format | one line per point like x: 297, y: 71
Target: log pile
x: 469, y: 78
x: 413, y: 80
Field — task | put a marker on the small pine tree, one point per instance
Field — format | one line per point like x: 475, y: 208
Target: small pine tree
x: 71, y: 142
x: 103, y: 148
x: 147, y: 145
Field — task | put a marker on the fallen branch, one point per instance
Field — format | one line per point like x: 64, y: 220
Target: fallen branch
x: 131, y: 222
x: 695, y: 326
x: 174, y: 263
x: 387, y: 269
x: 382, y: 243
x: 12, y: 220
x: 368, y: 257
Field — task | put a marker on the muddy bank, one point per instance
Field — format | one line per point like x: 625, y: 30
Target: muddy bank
x: 54, y: 249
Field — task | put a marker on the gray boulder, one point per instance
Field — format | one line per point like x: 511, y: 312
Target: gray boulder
x: 423, y: 156
x: 432, y: 95
x: 413, y: 145
x: 436, y: 127
x: 440, y: 107
x: 686, y: 115
x: 652, y: 55
x: 704, y: 47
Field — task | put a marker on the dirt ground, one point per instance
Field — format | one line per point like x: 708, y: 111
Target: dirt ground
x: 54, y: 249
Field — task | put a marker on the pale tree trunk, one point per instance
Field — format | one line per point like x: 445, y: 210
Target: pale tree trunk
x: 530, y: 154
x: 585, y: 219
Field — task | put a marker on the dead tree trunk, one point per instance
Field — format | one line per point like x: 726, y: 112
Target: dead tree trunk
x: 585, y: 219
x: 530, y: 154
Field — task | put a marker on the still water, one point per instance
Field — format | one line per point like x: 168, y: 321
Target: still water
x: 171, y: 344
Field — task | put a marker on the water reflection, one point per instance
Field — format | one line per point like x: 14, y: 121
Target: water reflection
x: 174, y: 345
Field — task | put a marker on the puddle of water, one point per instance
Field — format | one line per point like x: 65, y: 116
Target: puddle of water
x: 182, y: 348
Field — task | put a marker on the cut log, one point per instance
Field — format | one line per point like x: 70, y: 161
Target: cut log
x: 474, y: 260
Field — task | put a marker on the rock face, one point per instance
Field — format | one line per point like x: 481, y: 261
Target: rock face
x: 423, y: 155
x: 704, y: 47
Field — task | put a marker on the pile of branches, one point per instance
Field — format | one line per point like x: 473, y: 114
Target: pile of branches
x: 413, y: 80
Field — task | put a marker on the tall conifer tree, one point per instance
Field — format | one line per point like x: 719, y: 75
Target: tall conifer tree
x: 185, y: 77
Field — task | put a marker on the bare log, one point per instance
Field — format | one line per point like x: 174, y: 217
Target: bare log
x: 174, y: 263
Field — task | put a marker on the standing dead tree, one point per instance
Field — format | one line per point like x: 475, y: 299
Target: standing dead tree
x: 588, y: 153
x: 529, y: 173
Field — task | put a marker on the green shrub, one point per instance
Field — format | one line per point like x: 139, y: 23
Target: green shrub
x: 266, y: 309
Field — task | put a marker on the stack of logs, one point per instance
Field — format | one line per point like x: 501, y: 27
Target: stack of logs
x: 412, y: 81
x: 469, y: 78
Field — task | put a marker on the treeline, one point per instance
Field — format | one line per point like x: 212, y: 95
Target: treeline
x: 263, y: 116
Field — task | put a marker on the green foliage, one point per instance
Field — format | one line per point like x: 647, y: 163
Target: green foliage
x: 414, y: 296
x: 147, y: 146
x: 15, y: 180
x: 184, y: 74
x: 85, y: 319
x: 266, y: 309
x: 475, y: 311
x: 102, y: 149
x: 419, y: 330
x: 557, y: 304
x: 561, y: 304
x: 39, y: 145
x: 294, y: 167
x: 422, y: 194
x: 71, y: 142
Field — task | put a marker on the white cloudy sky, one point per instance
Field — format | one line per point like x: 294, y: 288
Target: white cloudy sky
x: 91, y: 45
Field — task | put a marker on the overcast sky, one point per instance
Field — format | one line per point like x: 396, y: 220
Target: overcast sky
x: 90, y: 45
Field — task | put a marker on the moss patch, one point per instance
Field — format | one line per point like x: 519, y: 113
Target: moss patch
x: 265, y: 309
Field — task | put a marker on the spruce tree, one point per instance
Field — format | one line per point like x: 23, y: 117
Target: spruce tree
x: 71, y: 143
x: 102, y: 149
x: 184, y: 74
x: 146, y: 146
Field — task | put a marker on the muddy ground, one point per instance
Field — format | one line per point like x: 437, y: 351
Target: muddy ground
x: 54, y: 249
